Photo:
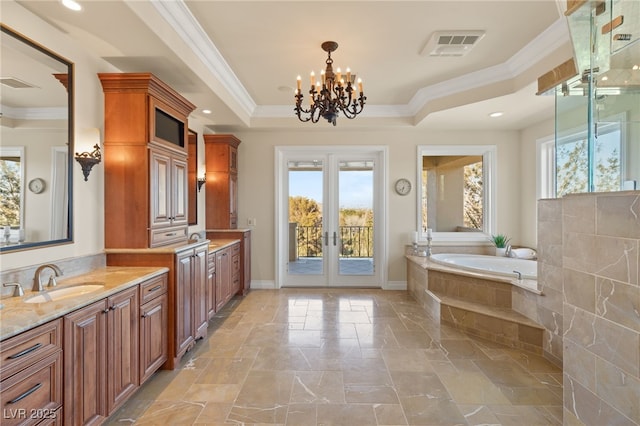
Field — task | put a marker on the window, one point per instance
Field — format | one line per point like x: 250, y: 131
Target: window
x: 565, y: 164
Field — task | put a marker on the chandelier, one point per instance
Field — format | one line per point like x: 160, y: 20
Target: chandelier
x: 334, y: 93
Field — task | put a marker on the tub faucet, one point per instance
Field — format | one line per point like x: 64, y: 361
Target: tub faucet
x: 519, y: 274
x: 37, y: 279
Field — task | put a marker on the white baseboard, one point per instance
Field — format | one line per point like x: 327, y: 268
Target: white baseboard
x: 395, y: 285
x: 263, y: 285
x: 271, y: 285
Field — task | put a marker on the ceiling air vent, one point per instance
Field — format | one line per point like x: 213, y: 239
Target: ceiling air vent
x: 15, y: 83
x: 451, y: 43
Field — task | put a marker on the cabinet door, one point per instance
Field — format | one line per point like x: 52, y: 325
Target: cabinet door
x: 222, y: 278
x: 160, y: 181
x: 123, y: 346
x: 153, y: 336
x: 180, y: 195
x: 211, y: 286
x: 235, y: 270
x: 233, y: 201
x: 85, y: 383
x: 184, y: 331
x: 200, y: 291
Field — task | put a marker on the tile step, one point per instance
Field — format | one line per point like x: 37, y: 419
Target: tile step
x: 501, y: 325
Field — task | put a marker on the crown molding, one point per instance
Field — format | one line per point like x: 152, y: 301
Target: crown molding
x: 180, y: 18
x: 178, y: 15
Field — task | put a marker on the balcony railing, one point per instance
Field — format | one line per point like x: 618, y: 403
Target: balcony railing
x: 355, y: 241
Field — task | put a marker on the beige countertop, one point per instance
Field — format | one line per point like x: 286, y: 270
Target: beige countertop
x: 214, y: 245
x: 17, y: 316
x: 221, y: 243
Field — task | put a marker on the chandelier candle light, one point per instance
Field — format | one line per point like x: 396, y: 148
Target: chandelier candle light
x: 334, y: 93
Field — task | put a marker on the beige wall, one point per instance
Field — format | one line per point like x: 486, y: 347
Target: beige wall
x: 257, y: 178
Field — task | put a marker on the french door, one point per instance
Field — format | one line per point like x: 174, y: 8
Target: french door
x: 330, y: 217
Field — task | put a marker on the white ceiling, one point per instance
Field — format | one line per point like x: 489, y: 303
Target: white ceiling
x: 240, y: 58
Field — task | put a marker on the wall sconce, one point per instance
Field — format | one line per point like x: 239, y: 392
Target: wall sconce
x: 89, y: 159
x: 201, y: 181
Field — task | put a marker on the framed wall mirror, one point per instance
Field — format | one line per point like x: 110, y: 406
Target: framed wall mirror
x: 36, y: 144
x: 456, y: 192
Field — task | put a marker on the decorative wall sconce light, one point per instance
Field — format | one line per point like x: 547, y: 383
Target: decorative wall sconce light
x: 89, y: 159
x: 201, y: 181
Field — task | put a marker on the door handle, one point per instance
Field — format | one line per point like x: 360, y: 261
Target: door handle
x: 335, y: 238
x: 326, y: 238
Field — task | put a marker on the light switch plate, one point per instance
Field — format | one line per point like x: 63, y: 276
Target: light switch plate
x: 251, y: 221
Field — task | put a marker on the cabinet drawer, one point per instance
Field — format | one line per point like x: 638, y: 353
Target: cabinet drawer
x: 26, y: 348
x: 235, y: 249
x: 165, y: 236
x: 153, y: 288
x: 33, y: 394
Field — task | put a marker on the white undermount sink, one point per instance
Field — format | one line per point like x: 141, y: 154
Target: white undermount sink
x: 63, y: 292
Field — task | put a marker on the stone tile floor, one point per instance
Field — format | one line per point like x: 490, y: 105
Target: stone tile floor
x: 345, y: 357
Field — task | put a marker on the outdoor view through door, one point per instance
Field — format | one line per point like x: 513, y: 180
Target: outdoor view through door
x: 331, y: 221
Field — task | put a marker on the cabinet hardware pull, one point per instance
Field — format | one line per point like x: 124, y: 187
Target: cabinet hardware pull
x: 335, y: 237
x: 170, y: 234
x: 26, y: 351
x: 26, y: 394
x: 326, y: 238
x: 158, y: 287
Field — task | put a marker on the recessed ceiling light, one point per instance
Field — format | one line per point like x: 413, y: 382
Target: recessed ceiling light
x: 206, y: 111
x: 496, y: 114
x: 635, y: 67
x: 605, y: 78
x: 71, y: 4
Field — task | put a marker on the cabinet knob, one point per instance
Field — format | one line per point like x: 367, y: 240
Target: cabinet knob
x: 144, y: 315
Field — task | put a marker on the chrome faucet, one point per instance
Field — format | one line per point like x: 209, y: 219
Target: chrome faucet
x: 194, y: 236
x: 37, y: 280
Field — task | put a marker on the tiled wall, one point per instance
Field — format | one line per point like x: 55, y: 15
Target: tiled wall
x: 547, y: 309
x: 601, y: 309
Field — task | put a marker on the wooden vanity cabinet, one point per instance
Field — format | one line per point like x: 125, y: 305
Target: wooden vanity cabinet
x: 227, y: 277
x: 191, y: 311
x: 244, y: 235
x: 153, y: 326
x: 31, y: 390
x: 101, y: 357
x: 221, y: 161
x: 145, y: 161
x: 187, y: 281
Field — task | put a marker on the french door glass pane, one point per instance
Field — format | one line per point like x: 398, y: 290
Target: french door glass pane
x: 306, y: 256
x: 355, y: 217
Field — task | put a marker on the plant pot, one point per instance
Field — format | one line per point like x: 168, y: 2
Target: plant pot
x: 501, y: 251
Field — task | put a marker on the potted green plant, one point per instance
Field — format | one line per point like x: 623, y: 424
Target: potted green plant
x: 501, y: 242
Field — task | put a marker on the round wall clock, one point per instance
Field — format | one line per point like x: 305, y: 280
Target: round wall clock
x: 403, y: 186
x: 36, y: 185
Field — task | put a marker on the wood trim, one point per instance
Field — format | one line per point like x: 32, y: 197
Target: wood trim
x: 615, y: 23
x: 556, y: 76
x: 573, y: 5
x: 145, y: 83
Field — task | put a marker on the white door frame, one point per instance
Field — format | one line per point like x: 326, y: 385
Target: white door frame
x: 282, y: 155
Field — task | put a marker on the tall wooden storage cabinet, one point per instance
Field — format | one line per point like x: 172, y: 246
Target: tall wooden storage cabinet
x: 145, y: 160
x: 146, y: 197
x: 221, y: 158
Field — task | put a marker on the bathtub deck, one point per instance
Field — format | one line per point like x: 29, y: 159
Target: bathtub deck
x: 473, y: 304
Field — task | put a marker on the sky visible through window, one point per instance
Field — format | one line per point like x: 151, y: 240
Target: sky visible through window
x: 356, y: 187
